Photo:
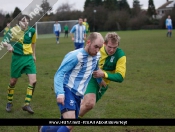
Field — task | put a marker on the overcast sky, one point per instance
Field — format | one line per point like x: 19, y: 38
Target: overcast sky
x: 9, y: 5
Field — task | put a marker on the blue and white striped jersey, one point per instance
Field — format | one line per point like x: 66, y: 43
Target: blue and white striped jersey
x: 56, y: 27
x: 79, y: 33
x: 75, y: 72
x: 168, y: 22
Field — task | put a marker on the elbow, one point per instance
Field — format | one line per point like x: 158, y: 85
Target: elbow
x: 120, y: 80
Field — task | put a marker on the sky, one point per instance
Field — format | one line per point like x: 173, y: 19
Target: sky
x: 8, y: 6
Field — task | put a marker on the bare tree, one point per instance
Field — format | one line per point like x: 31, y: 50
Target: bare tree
x: 65, y: 7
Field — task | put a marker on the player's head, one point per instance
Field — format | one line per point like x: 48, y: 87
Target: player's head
x: 80, y: 20
x: 56, y: 22
x: 85, y: 19
x: 8, y: 24
x: 169, y: 16
x: 24, y: 21
x: 94, y: 43
x: 111, y: 42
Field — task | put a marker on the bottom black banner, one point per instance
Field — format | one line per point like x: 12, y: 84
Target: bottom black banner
x: 88, y: 122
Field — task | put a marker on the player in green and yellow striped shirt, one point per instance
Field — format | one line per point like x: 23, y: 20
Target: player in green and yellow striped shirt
x: 85, y: 23
x: 20, y: 40
x: 7, y: 28
x: 112, y: 68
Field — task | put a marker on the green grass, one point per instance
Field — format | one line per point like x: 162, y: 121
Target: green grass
x: 148, y: 90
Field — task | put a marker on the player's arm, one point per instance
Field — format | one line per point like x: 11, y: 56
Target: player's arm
x: 60, y: 28
x: 72, y: 32
x: 6, y: 41
x: 120, y: 71
x: 33, y: 44
x: 67, y: 65
x: 166, y: 22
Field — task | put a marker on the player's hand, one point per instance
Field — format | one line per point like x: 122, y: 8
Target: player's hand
x: 103, y: 84
x: 99, y: 73
x: 72, y: 38
x: 84, y: 38
x: 34, y: 58
x: 9, y: 47
x: 60, y: 99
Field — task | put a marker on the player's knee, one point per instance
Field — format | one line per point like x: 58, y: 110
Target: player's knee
x: 13, y: 82
x: 34, y: 83
x: 90, y: 104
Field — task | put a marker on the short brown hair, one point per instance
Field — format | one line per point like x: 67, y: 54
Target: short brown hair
x: 113, y: 37
x: 24, y: 16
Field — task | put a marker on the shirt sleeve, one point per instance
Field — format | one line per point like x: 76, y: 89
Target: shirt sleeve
x: 73, y: 29
x: 34, y: 38
x: 120, y: 71
x: 67, y: 65
x: 60, y: 28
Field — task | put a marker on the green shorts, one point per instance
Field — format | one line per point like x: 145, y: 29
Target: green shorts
x: 93, y: 87
x: 22, y: 64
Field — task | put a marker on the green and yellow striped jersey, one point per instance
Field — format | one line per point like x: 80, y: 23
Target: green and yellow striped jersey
x: 114, y: 66
x: 21, y: 40
x: 86, y: 25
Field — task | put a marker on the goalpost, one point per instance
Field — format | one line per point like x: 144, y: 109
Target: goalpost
x: 46, y: 28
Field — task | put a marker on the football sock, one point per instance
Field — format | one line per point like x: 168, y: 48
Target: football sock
x: 170, y: 34
x: 80, y: 117
x: 63, y: 129
x: 28, y: 95
x: 50, y: 128
x: 10, y: 93
x: 167, y: 34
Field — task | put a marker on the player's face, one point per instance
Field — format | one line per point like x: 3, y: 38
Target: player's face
x: 111, y: 48
x: 24, y: 23
x: 94, y: 47
x: 80, y: 21
x: 8, y: 25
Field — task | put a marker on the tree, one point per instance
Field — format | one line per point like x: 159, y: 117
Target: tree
x: 124, y: 5
x: 136, y: 8
x: 65, y: 7
x: 46, y: 7
x: 151, y: 8
x: 16, y: 12
x: 93, y: 3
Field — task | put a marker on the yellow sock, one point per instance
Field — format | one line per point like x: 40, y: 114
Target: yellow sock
x: 10, y: 93
x: 28, y: 95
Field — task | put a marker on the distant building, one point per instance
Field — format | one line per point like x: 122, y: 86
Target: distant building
x: 165, y: 8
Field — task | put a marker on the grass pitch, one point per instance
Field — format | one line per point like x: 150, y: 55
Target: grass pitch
x: 148, y: 90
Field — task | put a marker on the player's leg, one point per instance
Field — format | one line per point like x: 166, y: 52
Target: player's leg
x: 10, y: 93
x: 92, y: 95
x: 89, y: 99
x: 30, y: 70
x: 67, y: 112
x: 76, y: 45
x: 58, y: 37
x: 167, y: 31
x: 49, y: 128
x: 15, y: 74
x: 56, y: 34
x: 87, y: 104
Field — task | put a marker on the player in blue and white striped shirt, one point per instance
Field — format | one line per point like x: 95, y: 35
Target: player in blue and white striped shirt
x: 57, y: 30
x: 78, y: 34
x: 72, y: 77
x: 169, y: 26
